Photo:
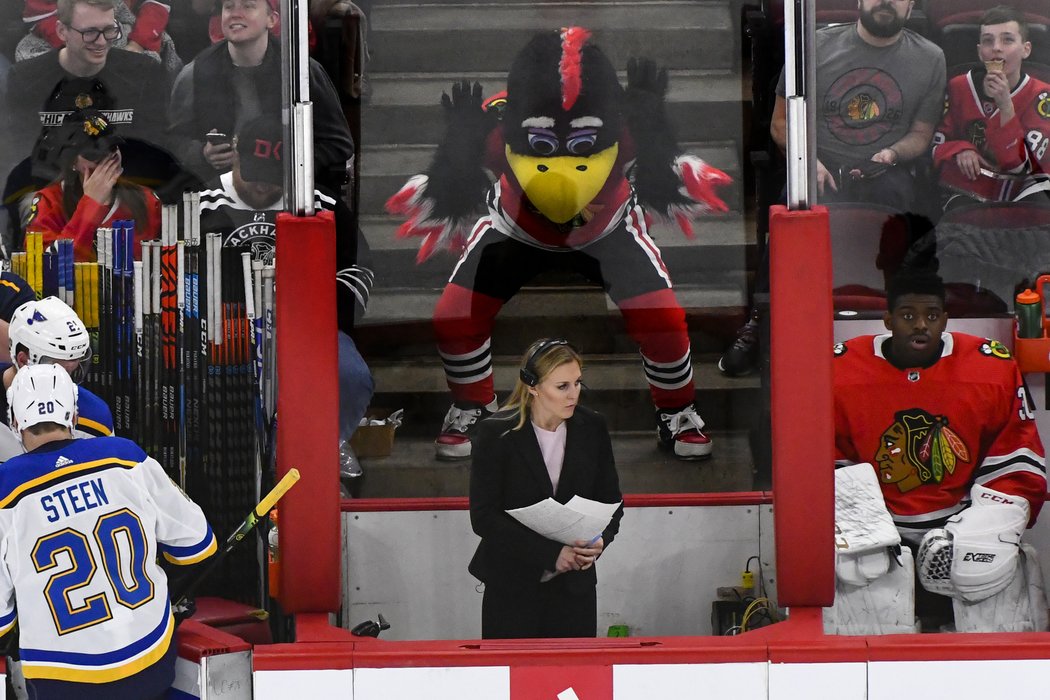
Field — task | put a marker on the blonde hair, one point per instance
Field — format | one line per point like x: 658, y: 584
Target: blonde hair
x: 552, y: 358
x: 64, y: 8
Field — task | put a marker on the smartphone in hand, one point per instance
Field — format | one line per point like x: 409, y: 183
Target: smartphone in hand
x: 216, y: 138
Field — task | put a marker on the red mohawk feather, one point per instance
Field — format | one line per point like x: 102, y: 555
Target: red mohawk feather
x: 572, y: 41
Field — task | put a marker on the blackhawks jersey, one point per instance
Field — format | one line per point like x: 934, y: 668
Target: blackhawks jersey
x: 971, y: 122
x: 931, y: 433
x: 223, y: 211
x: 83, y: 524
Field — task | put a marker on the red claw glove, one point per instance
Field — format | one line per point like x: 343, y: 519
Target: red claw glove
x: 412, y: 203
x: 699, y: 182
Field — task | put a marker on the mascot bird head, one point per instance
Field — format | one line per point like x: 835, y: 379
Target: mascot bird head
x: 562, y: 121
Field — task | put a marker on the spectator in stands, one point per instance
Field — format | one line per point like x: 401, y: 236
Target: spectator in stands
x: 143, y: 23
x: 541, y: 444
x: 87, y: 72
x: 243, y: 205
x: 940, y: 416
x: 129, y: 89
x: 238, y: 79
x: 89, y: 191
x: 991, y: 144
x: 189, y: 26
x: 878, y: 99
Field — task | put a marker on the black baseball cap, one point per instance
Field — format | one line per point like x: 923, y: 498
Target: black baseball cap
x: 260, y: 150
x: 97, y: 136
x: 86, y: 133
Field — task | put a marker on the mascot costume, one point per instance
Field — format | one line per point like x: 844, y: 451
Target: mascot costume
x: 579, y: 162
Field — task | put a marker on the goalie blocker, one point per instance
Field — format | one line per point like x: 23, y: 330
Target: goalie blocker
x: 978, y: 560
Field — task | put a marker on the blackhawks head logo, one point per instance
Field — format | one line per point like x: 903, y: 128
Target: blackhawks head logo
x: 917, y: 449
x: 95, y: 124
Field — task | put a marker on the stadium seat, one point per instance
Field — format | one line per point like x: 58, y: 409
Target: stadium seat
x: 835, y: 12
x: 862, y: 235
x: 845, y: 12
x: 1001, y: 215
x: 954, y: 26
x: 994, y: 247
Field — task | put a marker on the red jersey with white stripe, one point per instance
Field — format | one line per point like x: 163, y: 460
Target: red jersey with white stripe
x: 933, y: 432
x: 972, y: 122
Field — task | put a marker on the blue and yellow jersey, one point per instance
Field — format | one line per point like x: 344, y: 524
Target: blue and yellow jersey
x: 14, y: 291
x: 83, y: 523
x: 94, y: 419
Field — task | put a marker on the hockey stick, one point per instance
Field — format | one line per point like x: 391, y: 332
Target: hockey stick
x: 257, y: 513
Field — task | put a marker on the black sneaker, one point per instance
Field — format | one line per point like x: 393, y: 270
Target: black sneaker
x: 742, y: 358
x: 454, y: 441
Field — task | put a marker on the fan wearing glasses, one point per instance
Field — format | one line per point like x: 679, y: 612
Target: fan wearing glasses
x: 144, y: 24
x: 85, y: 48
x: 87, y: 72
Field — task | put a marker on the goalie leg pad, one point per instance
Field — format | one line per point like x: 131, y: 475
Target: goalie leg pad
x: 1019, y: 607
x: 885, y: 605
x: 862, y: 568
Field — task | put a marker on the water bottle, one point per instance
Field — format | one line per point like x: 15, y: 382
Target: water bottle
x: 1029, y: 309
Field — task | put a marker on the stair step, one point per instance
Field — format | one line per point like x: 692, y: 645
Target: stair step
x: 579, y: 302
x: 411, y: 471
x: 616, y: 388
x: 465, y: 37
x: 721, y: 246
x: 406, y: 107
x: 398, y: 323
x: 386, y: 168
x: 716, y: 231
x: 405, y: 160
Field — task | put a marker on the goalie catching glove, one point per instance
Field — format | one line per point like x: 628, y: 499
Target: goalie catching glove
x: 975, y: 555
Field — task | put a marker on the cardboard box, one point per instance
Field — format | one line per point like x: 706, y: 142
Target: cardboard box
x: 373, y: 440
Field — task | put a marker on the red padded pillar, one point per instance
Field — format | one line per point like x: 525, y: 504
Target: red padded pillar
x: 307, y: 412
x: 803, y: 428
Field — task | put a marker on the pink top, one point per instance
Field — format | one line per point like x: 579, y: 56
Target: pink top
x: 552, y: 447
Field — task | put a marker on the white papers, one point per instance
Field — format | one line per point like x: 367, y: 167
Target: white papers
x: 579, y: 519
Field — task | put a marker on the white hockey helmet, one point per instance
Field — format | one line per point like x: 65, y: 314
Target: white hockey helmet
x: 41, y: 394
x: 50, y: 331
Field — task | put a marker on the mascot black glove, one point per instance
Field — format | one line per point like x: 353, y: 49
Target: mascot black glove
x: 440, y: 206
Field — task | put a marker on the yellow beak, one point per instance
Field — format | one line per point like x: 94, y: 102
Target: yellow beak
x: 561, y: 186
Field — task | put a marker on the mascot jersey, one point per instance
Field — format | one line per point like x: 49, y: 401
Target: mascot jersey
x: 614, y: 249
x: 933, y: 432
x: 971, y: 122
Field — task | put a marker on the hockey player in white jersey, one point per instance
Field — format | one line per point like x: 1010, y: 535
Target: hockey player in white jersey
x: 49, y: 331
x: 83, y: 523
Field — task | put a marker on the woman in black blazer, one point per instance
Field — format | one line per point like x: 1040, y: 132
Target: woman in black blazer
x: 541, y: 444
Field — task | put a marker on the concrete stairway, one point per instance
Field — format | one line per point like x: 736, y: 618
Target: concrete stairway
x: 418, y: 50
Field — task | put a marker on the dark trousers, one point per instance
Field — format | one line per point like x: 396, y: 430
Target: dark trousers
x: 538, y: 610
x: 894, y: 187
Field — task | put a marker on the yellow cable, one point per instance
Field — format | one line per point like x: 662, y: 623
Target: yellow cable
x: 751, y: 609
